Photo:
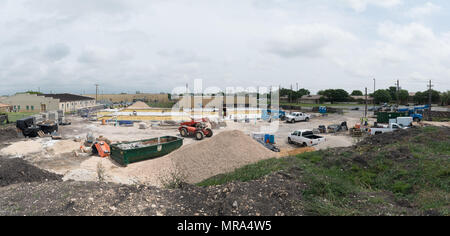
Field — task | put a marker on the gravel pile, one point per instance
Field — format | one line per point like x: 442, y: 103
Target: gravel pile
x: 220, y: 154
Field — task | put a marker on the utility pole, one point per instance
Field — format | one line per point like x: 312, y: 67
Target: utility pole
x: 374, y: 83
x: 430, y: 86
x: 398, y: 90
x: 96, y: 92
x: 365, y: 110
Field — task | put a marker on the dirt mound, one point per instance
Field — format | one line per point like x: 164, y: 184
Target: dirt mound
x: 8, y: 133
x: 220, y: 154
x: 13, y: 171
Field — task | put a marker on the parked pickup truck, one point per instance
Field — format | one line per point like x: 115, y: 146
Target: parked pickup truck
x: 297, y: 116
x: 305, y: 138
x: 391, y: 128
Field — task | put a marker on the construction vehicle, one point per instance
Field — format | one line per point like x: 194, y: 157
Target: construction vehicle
x: 337, y: 128
x: 416, y: 112
x: 197, y: 129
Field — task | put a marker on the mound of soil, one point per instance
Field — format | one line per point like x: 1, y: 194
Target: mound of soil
x: 13, y: 171
x: 222, y: 153
x: 8, y: 133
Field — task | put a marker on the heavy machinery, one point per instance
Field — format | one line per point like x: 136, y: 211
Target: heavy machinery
x: 416, y: 112
x: 197, y: 129
x: 337, y: 128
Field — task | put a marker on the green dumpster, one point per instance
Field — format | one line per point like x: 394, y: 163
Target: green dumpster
x: 384, y: 117
x: 131, y: 152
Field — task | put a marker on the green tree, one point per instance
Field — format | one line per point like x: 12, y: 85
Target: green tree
x: 382, y: 96
x: 403, y: 96
x: 393, y: 93
x: 357, y: 93
x: 445, y: 98
x: 335, y: 95
x: 422, y: 97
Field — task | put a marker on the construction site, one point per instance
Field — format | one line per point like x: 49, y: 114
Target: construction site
x: 158, y: 148
x: 255, y: 108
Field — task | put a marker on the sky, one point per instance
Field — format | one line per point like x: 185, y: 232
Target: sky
x: 157, y: 45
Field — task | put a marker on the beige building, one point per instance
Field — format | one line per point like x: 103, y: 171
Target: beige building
x: 216, y: 101
x: 5, y: 107
x: 125, y: 98
x: 310, y: 99
x: 25, y: 102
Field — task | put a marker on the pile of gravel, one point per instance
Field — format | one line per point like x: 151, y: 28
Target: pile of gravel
x: 220, y: 154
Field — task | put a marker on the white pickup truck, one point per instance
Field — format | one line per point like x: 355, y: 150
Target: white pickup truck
x: 297, y: 116
x: 305, y: 138
x: 391, y: 128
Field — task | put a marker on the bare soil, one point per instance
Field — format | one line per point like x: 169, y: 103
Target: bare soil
x: 13, y: 171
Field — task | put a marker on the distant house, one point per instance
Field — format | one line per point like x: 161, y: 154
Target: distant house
x: 362, y: 99
x: 411, y: 97
x: 25, y: 102
x: 5, y: 107
x: 310, y: 99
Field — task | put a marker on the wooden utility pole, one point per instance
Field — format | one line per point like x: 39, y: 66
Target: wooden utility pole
x: 374, y: 83
x: 398, y: 92
x: 430, y: 86
x: 96, y: 92
x: 365, y: 110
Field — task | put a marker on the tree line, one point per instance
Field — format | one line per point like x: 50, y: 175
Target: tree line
x: 390, y: 95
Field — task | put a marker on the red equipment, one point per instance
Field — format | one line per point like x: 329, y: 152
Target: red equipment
x: 194, y: 128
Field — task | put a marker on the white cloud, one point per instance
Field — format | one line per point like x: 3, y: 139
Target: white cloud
x: 424, y: 10
x: 309, y: 40
x: 361, y: 5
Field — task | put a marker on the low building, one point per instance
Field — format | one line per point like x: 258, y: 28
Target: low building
x: 411, y: 97
x: 362, y: 99
x: 71, y: 102
x: 216, y: 102
x: 25, y: 102
x: 310, y: 99
x: 131, y: 98
x: 5, y: 107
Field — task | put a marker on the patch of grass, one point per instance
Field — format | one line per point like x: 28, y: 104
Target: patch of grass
x: 415, y: 170
x: 14, y: 116
x: 161, y: 104
x: 250, y: 172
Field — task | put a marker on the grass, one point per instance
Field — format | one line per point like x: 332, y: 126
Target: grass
x: 337, y: 185
x: 14, y: 116
x: 161, y: 104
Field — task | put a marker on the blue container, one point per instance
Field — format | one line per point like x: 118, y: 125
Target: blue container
x: 272, y: 139
x: 125, y: 122
x: 267, y: 138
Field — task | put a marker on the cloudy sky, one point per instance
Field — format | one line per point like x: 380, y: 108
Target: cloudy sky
x: 156, y: 45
